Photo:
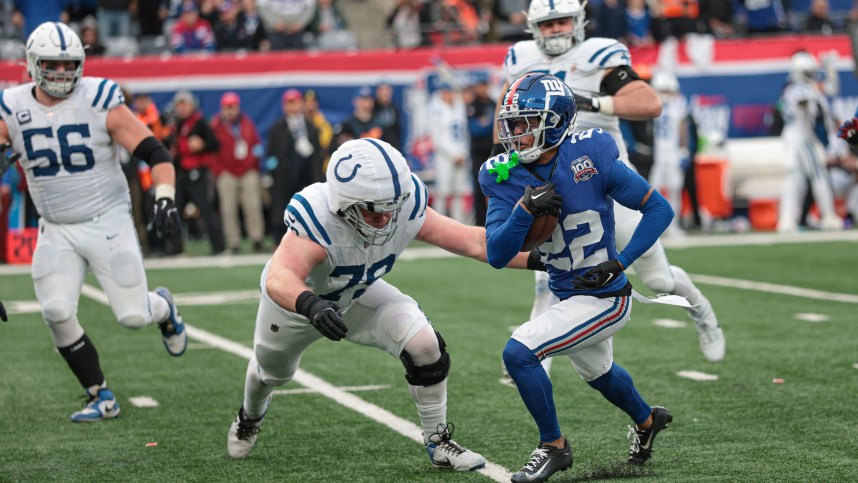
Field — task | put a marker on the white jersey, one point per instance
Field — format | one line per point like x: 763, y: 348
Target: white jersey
x: 582, y: 68
x: 449, y: 132
x: 71, y: 161
x: 666, y: 142
x: 350, y: 266
x: 802, y: 103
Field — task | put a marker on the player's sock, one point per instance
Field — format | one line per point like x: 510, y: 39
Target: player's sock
x: 431, y: 402
x: 256, y: 393
x: 82, y: 359
x: 617, y: 386
x: 159, y: 308
x: 534, y: 386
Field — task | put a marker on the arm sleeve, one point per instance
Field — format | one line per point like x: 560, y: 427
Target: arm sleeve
x: 506, y: 227
x: 629, y: 188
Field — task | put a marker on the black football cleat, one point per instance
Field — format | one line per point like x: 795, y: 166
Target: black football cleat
x: 544, y: 462
x: 642, y: 440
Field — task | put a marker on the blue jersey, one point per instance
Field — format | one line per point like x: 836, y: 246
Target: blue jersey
x: 589, y: 178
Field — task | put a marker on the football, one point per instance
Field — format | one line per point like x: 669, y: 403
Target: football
x: 540, y: 230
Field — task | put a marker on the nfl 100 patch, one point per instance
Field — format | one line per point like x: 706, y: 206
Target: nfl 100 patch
x: 583, y: 169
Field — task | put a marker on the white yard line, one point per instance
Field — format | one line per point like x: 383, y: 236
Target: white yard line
x: 775, y: 288
x: 382, y: 416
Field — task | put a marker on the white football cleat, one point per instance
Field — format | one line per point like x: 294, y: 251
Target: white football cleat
x: 242, y: 435
x: 173, y: 328
x: 446, y: 453
x: 712, y: 342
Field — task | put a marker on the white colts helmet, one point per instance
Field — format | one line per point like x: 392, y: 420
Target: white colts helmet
x: 54, y: 41
x: 803, y: 67
x: 369, y: 174
x: 664, y: 81
x: 544, y: 10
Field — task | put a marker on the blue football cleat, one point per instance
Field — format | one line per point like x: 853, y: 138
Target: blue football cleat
x: 173, y: 328
x: 99, y: 407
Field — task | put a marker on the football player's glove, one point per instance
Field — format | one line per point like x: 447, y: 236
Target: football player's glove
x: 604, y: 104
x: 849, y: 131
x: 534, y: 261
x: 325, y: 316
x: 7, y: 159
x: 542, y: 200
x: 166, y: 218
x: 3, y: 316
x: 599, y: 276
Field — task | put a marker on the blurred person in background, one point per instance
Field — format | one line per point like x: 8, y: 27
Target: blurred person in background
x: 91, y: 40
x: 673, y: 18
x: 29, y: 14
x: 191, y: 33
x: 510, y: 20
x: 481, y: 116
x: 294, y: 158
x: 451, y: 146
x: 763, y: 16
x: 670, y: 148
x: 317, y: 117
x: 819, y: 20
x: 807, y: 123
x: 237, y: 173
x: 408, y: 23
x: 718, y: 16
x: 611, y: 20
x: 387, y: 115
x: 286, y: 22
x: 330, y: 28
x: 114, y: 17
x: 638, y: 24
x: 233, y: 31
x: 362, y: 123
x: 195, y: 146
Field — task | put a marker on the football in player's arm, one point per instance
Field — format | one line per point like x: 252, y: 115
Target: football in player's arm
x: 584, y: 179
x: 325, y: 279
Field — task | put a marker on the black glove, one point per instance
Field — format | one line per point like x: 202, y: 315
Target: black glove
x: 166, y: 218
x: 849, y: 131
x: 599, y: 276
x: 6, y: 161
x: 542, y: 200
x: 324, y: 315
x: 587, y: 103
x: 534, y: 261
x: 3, y: 316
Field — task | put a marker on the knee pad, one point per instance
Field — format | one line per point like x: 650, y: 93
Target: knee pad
x: 126, y: 269
x: 272, y: 367
x: 429, y: 374
x: 134, y: 321
x: 57, y: 311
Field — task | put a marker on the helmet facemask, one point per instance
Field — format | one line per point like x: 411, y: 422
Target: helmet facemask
x: 562, y: 42
x: 57, y: 83
x: 370, y: 234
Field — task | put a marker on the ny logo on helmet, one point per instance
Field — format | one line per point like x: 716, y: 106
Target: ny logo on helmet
x: 553, y: 87
x: 583, y: 169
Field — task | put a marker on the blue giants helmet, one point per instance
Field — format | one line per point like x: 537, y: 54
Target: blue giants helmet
x: 544, y: 107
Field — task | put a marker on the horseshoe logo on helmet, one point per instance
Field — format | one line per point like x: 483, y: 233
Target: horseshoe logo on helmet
x: 351, y: 176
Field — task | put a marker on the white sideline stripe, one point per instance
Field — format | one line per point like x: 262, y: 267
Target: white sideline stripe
x: 775, y: 288
x: 697, y: 376
x: 22, y: 307
x: 406, y: 428
x: 669, y: 323
x: 811, y: 317
x: 212, y: 298
x: 377, y: 387
x: 143, y: 402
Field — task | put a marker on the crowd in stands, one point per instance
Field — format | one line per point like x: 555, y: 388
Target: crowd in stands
x: 183, y: 26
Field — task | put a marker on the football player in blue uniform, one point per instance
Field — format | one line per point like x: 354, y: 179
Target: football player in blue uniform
x: 577, y: 176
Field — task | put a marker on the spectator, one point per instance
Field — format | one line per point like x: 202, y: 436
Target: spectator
x: 286, y: 22
x: 511, y: 20
x: 294, y: 158
x: 718, y: 16
x: 149, y: 17
x: 408, y: 23
x: 237, y: 173
x: 819, y: 20
x: 450, y: 144
x: 90, y: 39
x: 638, y: 24
x: 209, y: 11
x: 362, y: 123
x: 673, y: 18
x: 33, y: 13
x: 233, y: 32
x: 611, y: 20
x: 387, y: 115
x: 460, y: 22
x: 329, y: 28
x: 326, y: 131
x: 481, y: 121
x: 195, y: 146
x: 146, y: 110
x: 191, y: 33
x: 763, y: 16
x: 114, y: 17
x: 253, y: 23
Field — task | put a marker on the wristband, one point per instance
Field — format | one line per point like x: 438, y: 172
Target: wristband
x: 606, y: 105
x: 165, y: 191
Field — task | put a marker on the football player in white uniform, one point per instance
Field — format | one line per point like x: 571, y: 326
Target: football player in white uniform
x: 804, y: 104
x: 66, y: 128
x: 325, y: 280
x: 606, y: 87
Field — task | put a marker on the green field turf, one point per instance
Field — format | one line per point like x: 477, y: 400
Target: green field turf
x: 742, y: 427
